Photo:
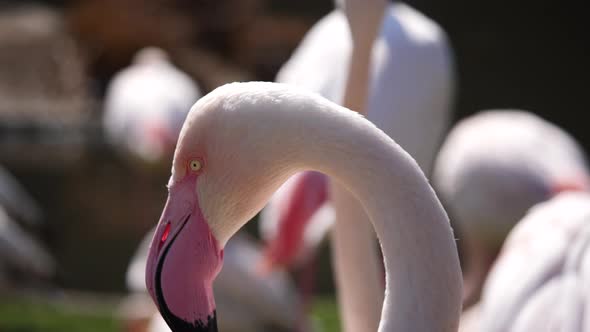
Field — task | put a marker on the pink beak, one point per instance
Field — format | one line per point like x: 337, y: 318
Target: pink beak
x: 183, y: 261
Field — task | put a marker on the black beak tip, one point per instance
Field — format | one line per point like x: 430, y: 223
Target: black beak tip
x: 177, y: 324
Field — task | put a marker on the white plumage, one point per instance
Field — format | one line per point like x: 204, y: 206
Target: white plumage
x: 410, y: 94
x: 493, y: 158
x: 492, y: 168
x: 146, y: 104
x: 412, y: 75
x: 246, y: 162
x: 540, y: 281
x: 400, y: 74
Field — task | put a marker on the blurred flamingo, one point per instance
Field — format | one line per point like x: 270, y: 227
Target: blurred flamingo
x: 491, y: 169
x: 24, y: 261
x: 540, y: 280
x: 17, y: 201
x: 422, y: 60
x: 145, y: 106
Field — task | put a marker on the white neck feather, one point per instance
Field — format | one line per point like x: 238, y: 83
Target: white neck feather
x: 357, y: 270
x: 302, y: 131
x: 423, y: 283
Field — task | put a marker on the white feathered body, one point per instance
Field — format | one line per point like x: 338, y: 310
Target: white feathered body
x: 540, y: 281
x: 495, y: 165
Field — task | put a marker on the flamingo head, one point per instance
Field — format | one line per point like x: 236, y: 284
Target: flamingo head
x: 184, y: 259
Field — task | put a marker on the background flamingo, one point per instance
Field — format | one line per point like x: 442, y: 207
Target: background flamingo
x: 491, y: 169
x: 146, y: 104
x: 17, y: 201
x: 539, y: 282
x: 422, y: 63
x: 24, y: 261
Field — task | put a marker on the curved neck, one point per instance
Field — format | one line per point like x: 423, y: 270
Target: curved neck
x: 357, y: 270
x: 423, y: 276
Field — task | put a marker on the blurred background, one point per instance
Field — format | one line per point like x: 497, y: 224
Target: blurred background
x: 57, y: 59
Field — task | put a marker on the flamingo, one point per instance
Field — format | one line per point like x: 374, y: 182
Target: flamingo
x: 491, y: 169
x: 247, y: 301
x: 145, y: 106
x: 540, y: 280
x: 408, y: 71
x: 23, y: 258
x: 411, y: 88
x: 238, y: 144
x: 17, y: 202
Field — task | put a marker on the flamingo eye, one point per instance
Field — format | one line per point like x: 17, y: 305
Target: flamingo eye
x: 196, y: 165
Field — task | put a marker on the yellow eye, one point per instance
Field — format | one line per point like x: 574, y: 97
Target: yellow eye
x: 195, y: 165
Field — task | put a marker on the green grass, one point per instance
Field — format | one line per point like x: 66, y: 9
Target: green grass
x: 33, y: 315
x: 19, y: 315
x: 325, y: 313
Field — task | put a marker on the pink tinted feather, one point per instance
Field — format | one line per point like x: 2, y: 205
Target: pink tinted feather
x: 306, y: 193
